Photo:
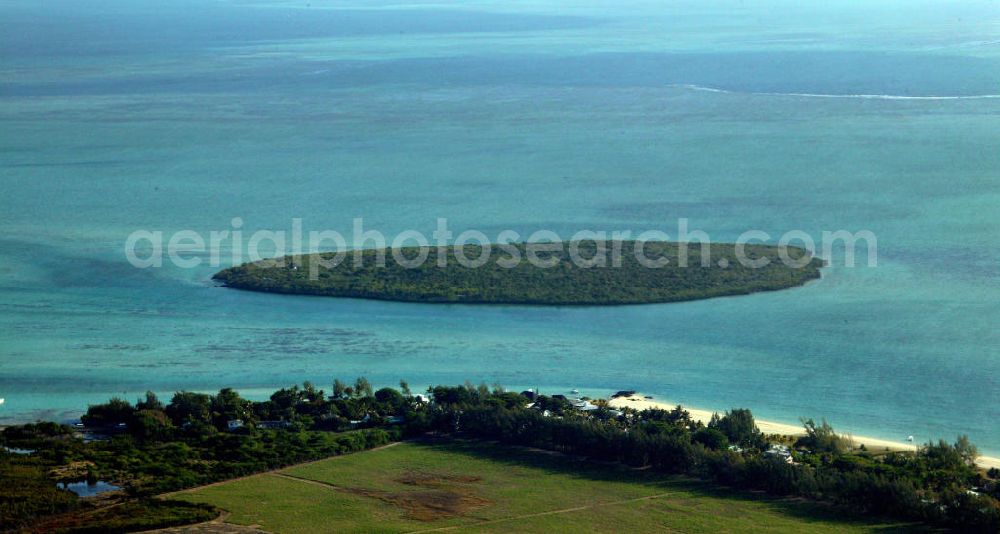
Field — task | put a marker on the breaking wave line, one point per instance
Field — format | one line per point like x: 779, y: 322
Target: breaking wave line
x: 823, y: 95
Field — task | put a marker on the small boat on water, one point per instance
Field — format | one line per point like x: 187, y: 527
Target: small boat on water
x: 2, y: 401
x: 574, y: 391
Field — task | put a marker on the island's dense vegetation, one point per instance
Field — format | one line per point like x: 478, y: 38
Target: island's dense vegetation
x: 151, y: 447
x: 564, y: 282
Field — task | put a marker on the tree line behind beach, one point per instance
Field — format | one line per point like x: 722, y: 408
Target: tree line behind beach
x: 150, y: 447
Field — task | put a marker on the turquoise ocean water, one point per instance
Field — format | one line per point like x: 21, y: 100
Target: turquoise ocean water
x: 117, y: 116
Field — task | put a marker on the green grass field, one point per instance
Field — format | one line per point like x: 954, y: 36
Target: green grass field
x: 412, y: 487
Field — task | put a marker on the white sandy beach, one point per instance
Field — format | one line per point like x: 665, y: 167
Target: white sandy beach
x: 638, y: 402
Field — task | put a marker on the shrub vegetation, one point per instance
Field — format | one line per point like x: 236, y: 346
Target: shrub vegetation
x: 563, y: 283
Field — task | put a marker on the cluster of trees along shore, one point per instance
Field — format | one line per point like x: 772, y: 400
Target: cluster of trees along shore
x: 151, y: 447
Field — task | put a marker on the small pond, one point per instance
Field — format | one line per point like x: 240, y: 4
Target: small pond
x: 85, y: 489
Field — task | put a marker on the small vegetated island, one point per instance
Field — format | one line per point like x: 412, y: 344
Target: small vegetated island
x: 566, y: 273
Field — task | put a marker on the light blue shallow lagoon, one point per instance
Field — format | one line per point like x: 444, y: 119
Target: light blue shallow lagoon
x: 119, y: 116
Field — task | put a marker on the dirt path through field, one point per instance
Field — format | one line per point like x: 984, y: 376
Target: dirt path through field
x: 272, y: 472
x: 215, y: 526
x: 474, y: 524
x: 550, y: 512
x: 219, y: 525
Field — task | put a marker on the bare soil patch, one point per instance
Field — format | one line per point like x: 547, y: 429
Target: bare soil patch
x: 434, y: 497
x: 419, y: 478
x: 430, y: 504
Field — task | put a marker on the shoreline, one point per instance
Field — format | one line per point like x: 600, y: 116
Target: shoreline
x: 638, y: 402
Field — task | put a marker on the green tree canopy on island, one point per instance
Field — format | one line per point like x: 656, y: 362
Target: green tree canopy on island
x: 566, y: 282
